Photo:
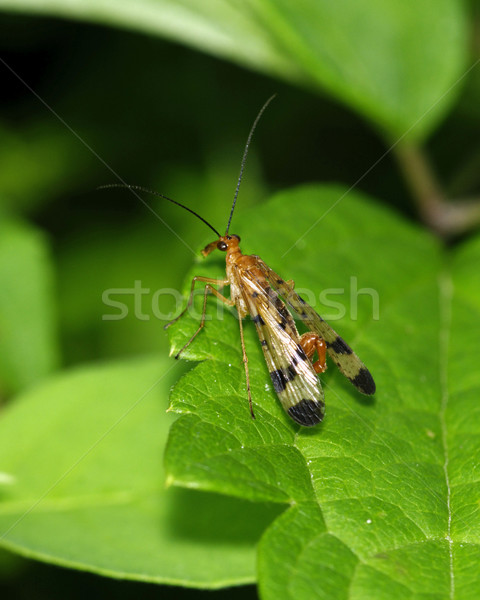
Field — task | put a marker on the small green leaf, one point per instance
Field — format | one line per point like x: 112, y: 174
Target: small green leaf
x: 383, y: 495
x: 397, y: 63
x: 29, y: 345
x: 85, y: 455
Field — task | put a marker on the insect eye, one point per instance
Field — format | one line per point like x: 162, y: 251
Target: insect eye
x: 222, y: 246
x: 236, y: 236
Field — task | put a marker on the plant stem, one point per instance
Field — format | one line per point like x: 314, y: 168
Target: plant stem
x: 446, y: 218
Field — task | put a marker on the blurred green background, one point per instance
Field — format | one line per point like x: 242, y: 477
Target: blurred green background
x: 98, y: 101
x: 177, y: 125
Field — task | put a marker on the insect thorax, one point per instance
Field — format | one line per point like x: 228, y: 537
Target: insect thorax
x: 236, y: 291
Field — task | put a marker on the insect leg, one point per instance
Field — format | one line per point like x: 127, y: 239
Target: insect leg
x: 208, y: 280
x: 311, y: 342
x: 245, y: 364
x: 217, y: 294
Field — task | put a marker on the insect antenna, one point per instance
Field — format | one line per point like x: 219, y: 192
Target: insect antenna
x: 244, y: 158
x: 154, y: 193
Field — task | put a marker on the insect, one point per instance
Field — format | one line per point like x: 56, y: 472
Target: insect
x: 256, y: 290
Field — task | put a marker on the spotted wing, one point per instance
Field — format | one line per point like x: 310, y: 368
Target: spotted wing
x: 292, y: 374
x: 339, y: 351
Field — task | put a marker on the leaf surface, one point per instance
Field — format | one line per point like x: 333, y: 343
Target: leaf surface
x: 85, y: 488
x: 382, y: 498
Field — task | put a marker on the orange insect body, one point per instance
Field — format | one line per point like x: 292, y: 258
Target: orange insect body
x: 256, y: 290
x: 287, y: 354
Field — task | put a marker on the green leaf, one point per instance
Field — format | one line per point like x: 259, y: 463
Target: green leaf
x: 29, y: 348
x: 84, y: 453
x: 397, y: 63
x: 382, y: 497
x: 384, y: 59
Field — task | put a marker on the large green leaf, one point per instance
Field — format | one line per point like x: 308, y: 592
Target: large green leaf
x: 86, y: 488
x: 382, y: 498
x: 28, y: 327
x: 397, y: 62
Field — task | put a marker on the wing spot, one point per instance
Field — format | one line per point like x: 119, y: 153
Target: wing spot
x: 258, y: 319
x: 278, y: 380
x: 363, y: 381
x: 339, y: 346
x: 291, y: 372
x: 281, y: 377
x: 301, y: 353
x: 307, y: 412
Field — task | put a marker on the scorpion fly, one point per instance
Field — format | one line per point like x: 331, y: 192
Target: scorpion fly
x: 256, y: 290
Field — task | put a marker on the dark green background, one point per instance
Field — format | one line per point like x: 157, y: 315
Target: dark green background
x: 167, y: 117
